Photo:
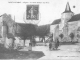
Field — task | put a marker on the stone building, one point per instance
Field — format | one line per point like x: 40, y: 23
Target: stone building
x: 68, y: 23
x: 7, y: 30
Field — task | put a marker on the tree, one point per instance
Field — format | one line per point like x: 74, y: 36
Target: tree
x: 43, y: 30
x: 61, y: 36
x: 26, y: 31
x: 72, y: 36
x: 78, y: 36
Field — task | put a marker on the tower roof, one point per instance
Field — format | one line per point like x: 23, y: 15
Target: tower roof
x: 67, y: 9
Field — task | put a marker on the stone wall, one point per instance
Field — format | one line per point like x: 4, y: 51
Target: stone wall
x: 1, y: 27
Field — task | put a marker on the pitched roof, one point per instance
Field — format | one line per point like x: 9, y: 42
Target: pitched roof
x: 75, y: 18
x: 57, y: 21
x: 67, y: 9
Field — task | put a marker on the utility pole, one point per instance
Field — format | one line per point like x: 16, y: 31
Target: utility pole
x: 14, y: 26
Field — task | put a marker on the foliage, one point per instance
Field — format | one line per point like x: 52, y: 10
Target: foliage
x: 78, y: 35
x: 78, y: 29
x: 43, y: 30
x: 61, y: 36
x: 72, y: 35
x: 27, y: 30
x: 9, y: 35
x: 7, y: 19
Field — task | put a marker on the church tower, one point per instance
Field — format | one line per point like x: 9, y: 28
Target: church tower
x: 66, y: 16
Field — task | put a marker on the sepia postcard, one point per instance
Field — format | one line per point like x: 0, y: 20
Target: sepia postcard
x: 40, y: 29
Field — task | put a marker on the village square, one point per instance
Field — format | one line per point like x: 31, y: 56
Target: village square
x: 58, y: 40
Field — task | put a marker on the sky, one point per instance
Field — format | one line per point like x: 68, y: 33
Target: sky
x: 49, y: 10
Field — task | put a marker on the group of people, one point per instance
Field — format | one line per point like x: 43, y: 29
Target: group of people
x: 54, y: 44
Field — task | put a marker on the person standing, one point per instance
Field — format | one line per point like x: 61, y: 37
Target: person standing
x: 50, y: 46
x: 50, y: 43
x: 30, y: 46
x: 56, y: 43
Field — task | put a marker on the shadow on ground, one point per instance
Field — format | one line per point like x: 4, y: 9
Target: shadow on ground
x: 21, y: 54
x: 14, y: 54
x: 68, y: 43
